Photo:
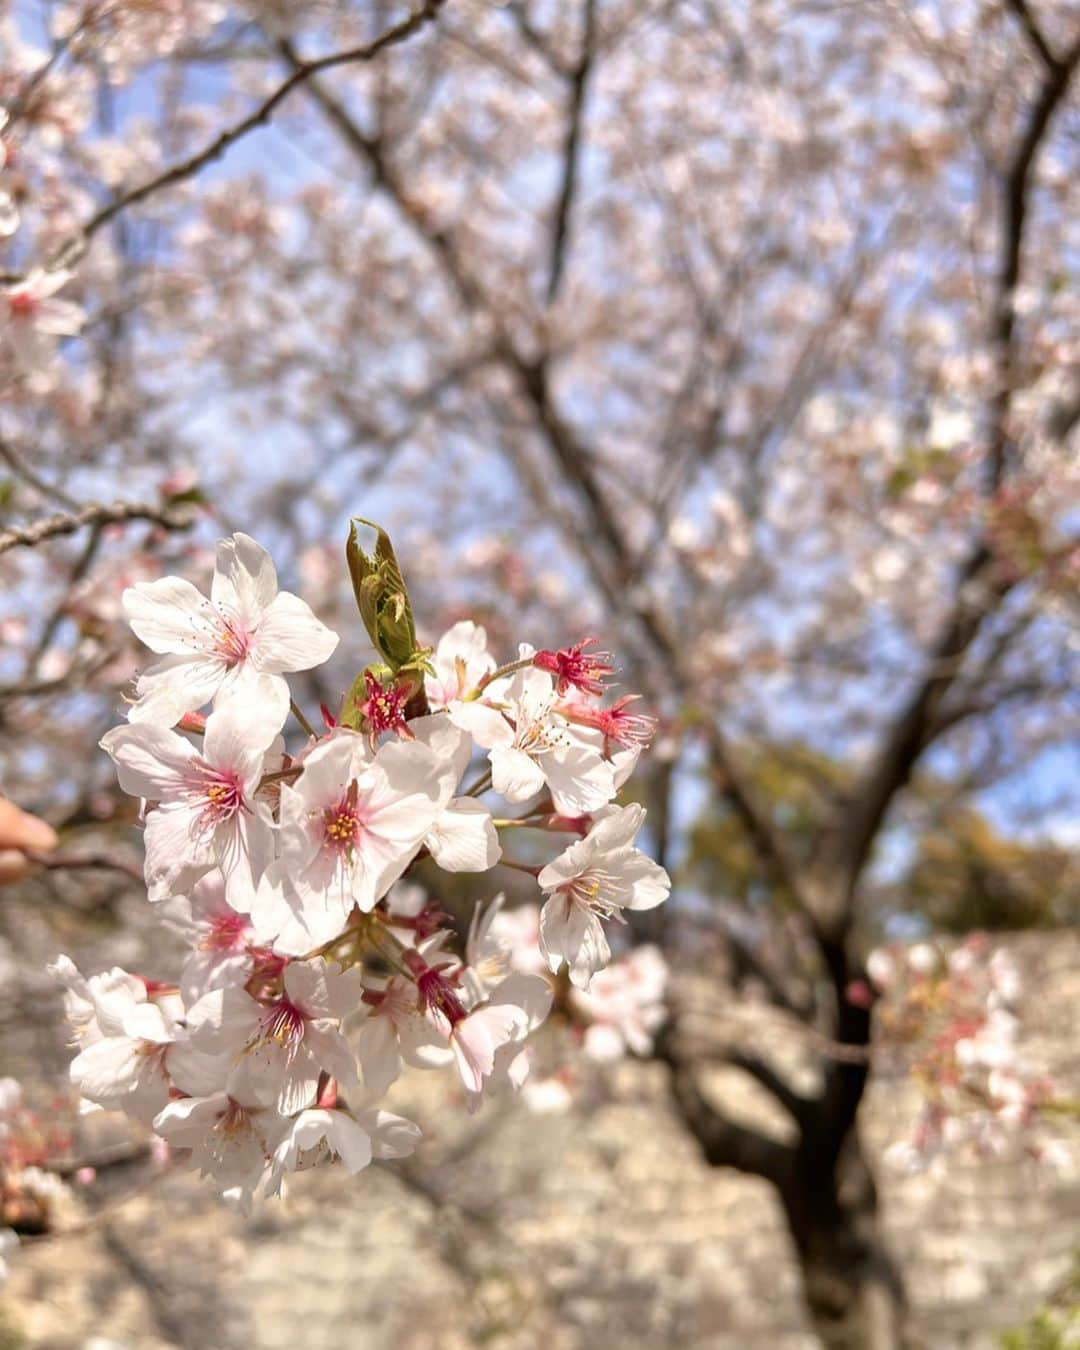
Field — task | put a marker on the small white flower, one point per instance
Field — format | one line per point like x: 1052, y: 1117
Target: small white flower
x: 297, y: 1038
x: 350, y: 826
x: 126, y: 1037
x: 596, y: 877
x: 396, y: 1030
x: 531, y: 746
x: 32, y: 318
x: 218, y: 935
x: 206, y: 814
x: 231, y: 1139
x: 239, y: 643
x: 461, y: 660
x: 355, y: 1138
x: 624, y: 1004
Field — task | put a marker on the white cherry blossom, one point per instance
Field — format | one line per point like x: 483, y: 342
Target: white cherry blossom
x: 206, y: 812
x: 351, y: 825
x: 396, y: 1031
x: 321, y: 1135
x: 239, y: 642
x: 461, y: 660
x: 596, y: 877
x: 32, y: 318
x: 530, y: 746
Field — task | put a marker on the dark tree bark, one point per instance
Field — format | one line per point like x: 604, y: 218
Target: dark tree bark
x: 853, y: 1290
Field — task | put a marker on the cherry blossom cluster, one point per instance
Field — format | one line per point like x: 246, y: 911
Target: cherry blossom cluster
x: 620, y: 1010
x: 952, y: 1014
x: 313, y: 972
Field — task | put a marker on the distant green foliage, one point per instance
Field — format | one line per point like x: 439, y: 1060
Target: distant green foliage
x: 968, y: 875
x: 1055, y: 1326
x: 963, y: 874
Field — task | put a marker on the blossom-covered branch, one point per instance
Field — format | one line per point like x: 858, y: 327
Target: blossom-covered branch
x: 312, y: 976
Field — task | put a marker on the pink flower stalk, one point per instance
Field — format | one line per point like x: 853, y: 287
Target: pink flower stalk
x: 573, y: 666
x: 437, y: 993
x: 617, y: 723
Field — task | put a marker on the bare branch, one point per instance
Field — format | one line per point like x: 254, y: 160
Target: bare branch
x: 96, y: 514
x: 21, y: 469
x: 579, y: 80
x: 96, y: 862
x: 798, y: 1107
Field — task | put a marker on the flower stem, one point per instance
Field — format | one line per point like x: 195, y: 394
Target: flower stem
x: 509, y: 669
x: 298, y: 714
x: 519, y: 866
x: 481, y: 785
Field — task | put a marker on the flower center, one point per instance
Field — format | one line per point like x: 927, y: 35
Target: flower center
x: 228, y: 932
x: 343, y: 823
x: 233, y: 1119
x: 283, y: 1022
x: 538, y: 736
x: 223, y: 798
x: 231, y: 638
x: 595, y: 890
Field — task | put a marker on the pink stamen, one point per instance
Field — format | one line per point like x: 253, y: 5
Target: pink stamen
x: 283, y: 1022
x: 224, y: 796
x: 384, y: 707
x: 228, y: 933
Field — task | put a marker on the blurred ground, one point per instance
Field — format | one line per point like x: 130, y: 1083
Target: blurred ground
x: 575, y: 1231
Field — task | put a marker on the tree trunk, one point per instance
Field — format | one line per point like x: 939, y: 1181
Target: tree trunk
x: 853, y: 1290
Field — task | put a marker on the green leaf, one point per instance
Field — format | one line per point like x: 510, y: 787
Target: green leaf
x: 382, y: 597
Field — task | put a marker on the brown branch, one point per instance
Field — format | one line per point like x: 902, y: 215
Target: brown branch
x: 186, y: 168
x: 96, y: 514
x: 579, y: 81
x: 71, y: 862
x: 21, y: 469
x: 1034, y: 33
x: 799, y: 1108
x: 1015, y: 189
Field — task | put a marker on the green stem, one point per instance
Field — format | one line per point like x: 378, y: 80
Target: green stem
x: 509, y: 669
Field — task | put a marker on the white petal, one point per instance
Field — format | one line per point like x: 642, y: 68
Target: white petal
x: 244, y: 578
x: 463, y: 839
x: 151, y: 761
x: 290, y: 637
x: 514, y: 775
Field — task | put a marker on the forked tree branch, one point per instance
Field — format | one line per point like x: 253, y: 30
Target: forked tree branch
x: 978, y: 591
